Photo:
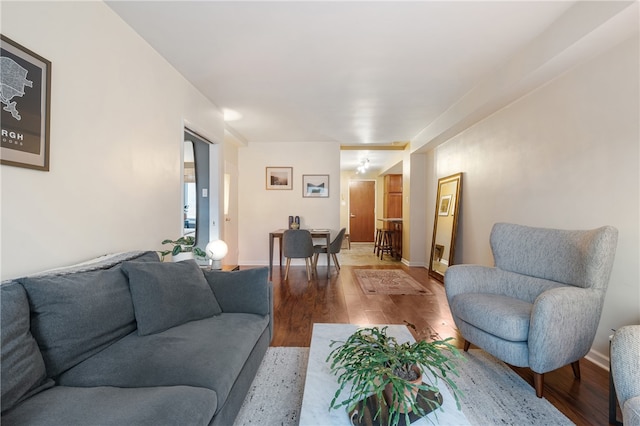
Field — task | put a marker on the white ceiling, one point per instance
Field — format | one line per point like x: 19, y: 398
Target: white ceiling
x: 344, y: 72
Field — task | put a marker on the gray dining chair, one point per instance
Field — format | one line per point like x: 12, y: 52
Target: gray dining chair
x: 334, y: 249
x: 298, y: 244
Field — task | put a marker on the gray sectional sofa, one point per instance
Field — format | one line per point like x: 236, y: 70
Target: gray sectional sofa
x: 130, y: 340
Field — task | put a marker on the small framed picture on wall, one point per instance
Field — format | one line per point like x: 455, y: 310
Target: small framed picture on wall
x: 315, y: 186
x: 279, y: 178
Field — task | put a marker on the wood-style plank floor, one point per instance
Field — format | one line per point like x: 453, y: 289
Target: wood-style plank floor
x: 298, y: 304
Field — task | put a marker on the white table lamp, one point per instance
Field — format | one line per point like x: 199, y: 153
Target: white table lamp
x: 216, y: 251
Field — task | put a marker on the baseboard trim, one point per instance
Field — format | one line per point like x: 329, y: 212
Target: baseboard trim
x: 598, y: 359
x: 413, y: 264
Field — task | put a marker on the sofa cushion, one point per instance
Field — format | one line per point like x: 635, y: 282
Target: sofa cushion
x: 169, y: 294
x: 77, y: 315
x: 22, y: 367
x: 241, y: 291
x: 79, y: 310
x: 208, y: 353
x: 176, y: 405
x: 501, y: 316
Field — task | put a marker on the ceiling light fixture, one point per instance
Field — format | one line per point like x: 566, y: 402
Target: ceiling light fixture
x: 231, y: 115
x: 364, y: 165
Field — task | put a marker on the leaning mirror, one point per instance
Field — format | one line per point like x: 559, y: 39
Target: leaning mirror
x: 445, y: 225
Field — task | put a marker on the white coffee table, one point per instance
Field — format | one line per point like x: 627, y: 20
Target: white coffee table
x: 321, y: 385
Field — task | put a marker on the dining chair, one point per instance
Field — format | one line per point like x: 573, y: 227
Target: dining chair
x: 298, y: 244
x: 334, y: 249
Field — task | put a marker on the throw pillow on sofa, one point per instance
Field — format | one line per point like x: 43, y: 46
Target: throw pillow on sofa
x: 74, y: 316
x: 78, y: 310
x: 169, y: 294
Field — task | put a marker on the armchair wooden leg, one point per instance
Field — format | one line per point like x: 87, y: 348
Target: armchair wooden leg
x: 576, y: 369
x: 467, y: 344
x: 335, y: 261
x: 538, y: 382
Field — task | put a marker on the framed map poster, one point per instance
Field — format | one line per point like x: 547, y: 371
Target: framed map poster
x: 25, y: 82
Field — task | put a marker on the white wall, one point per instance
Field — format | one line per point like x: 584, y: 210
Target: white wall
x: 262, y: 211
x: 418, y: 224
x: 117, y: 115
x: 565, y: 156
x: 230, y: 234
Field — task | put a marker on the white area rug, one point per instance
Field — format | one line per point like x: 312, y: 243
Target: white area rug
x: 494, y: 394
x: 275, y: 396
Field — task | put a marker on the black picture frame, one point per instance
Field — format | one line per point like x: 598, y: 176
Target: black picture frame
x: 26, y: 107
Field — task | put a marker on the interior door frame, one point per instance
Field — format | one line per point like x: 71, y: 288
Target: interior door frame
x: 207, y: 205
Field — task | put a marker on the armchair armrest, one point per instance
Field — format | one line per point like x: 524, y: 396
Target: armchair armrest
x: 563, y: 325
x: 245, y: 291
x: 625, y: 365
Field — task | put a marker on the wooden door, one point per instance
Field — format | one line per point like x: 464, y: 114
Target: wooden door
x: 362, y: 205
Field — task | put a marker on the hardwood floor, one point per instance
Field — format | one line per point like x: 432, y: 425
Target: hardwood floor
x: 299, y: 304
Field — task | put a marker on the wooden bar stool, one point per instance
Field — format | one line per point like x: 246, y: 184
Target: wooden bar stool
x: 386, y: 245
x: 378, y: 241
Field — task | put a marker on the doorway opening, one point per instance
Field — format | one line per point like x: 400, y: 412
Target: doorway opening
x: 196, y: 205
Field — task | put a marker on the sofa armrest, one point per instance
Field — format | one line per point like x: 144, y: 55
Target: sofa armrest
x: 625, y: 366
x: 245, y: 291
x: 564, y: 321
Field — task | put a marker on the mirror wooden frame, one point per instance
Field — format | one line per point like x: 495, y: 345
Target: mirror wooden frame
x: 447, y: 209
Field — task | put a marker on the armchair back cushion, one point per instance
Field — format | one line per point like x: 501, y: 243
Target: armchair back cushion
x: 577, y: 258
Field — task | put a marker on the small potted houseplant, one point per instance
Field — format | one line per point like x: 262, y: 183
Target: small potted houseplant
x: 183, y: 248
x: 370, y: 362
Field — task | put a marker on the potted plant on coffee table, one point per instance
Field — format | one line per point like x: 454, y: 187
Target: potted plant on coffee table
x: 183, y: 248
x: 372, y: 363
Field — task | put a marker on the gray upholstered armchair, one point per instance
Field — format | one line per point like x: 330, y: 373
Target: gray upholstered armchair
x: 540, y: 306
x: 625, y: 368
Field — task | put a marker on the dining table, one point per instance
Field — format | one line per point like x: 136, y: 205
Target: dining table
x: 315, y: 233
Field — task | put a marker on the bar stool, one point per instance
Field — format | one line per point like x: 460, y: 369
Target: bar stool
x: 377, y: 241
x: 386, y: 245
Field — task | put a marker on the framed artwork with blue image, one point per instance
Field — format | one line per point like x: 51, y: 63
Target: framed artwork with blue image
x: 315, y: 186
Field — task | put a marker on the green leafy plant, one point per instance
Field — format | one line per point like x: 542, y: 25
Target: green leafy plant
x: 183, y: 245
x: 370, y: 360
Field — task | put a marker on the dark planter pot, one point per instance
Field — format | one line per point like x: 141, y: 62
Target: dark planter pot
x: 410, y: 394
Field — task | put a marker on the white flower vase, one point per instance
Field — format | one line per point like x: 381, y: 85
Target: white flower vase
x: 185, y: 255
